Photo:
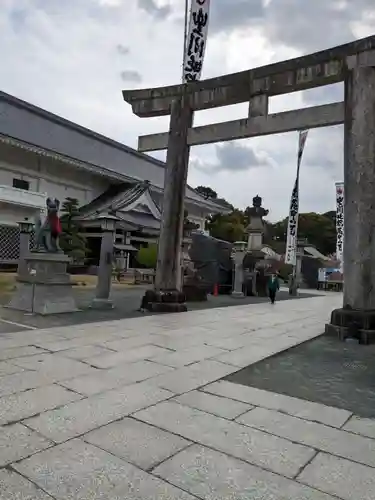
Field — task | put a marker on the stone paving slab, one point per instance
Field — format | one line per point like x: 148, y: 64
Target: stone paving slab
x: 125, y: 344
x: 253, y: 353
x: 83, y: 416
x: 26, y: 338
x: 221, y: 407
x: 363, y: 426
x: 8, y: 369
x: 345, y: 479
x: 79, y: 471
x: 79, y: 339
x: 191, y: 377
x: 175, y: 342
x: 18, y: 382
x: 53, y: 366
x: 137, y: 442
x: 17, y: 352
x: 83, y: 352
x: 187, y: 356
x: 211, y: 475
x: 307, y: 410
x: 228, y: 343
x: 135, y: 354
x: 321, y: 437
x: 22, y: 405
x: 254, y: 446
x: 120, y: 375
x: 15, y: 487
x: 17, y: 442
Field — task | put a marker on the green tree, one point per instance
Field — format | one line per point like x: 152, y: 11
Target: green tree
x: 147, y: 256
x: 227, y: 227
x: 206, y: 192
x: 318, y: 229
x: 72, y: 241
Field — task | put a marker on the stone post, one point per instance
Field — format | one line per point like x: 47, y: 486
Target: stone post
x: 295, y: 278
x: 292, y: 285
x: 25, y: 230
x: 237, y: 291
x: 168, y: 296
x: 103, y: 285
x: 357, y: 317
x: 239, y: 255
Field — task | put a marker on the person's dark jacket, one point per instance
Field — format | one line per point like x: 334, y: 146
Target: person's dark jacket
x: 273, y: 285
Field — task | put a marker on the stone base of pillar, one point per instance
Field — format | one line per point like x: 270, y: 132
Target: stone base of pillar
x: 237, y: 295
x: 165, y: 301
x: 102, y: 304
x: 352, y: 323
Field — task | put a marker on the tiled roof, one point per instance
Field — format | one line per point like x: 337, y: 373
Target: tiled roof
x: 122, y: 200
x: 115, y: 198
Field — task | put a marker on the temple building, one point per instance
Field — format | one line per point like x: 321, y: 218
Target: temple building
x: 43, y: 155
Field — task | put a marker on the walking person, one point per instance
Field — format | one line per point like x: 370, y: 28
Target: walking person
x: 273, y: 287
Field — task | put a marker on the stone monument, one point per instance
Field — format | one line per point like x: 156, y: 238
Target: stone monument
x: 43, y: 284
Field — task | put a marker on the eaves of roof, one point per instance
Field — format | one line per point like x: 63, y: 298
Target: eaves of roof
x: 96, y: 169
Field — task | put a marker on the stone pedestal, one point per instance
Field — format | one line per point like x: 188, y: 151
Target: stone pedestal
x: 357, y: 316
x: 237, y: 291
x: 168, y: 296
x: 46, y: 287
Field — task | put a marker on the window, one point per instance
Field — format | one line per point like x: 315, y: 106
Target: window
x: 21, y: 184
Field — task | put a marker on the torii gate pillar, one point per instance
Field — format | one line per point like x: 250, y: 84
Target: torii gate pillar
x: 167, y: 295
x: 357, y: 316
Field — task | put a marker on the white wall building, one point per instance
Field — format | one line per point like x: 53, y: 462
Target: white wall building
x: 42, y: 155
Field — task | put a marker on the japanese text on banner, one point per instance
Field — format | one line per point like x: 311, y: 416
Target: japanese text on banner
x: 291, y: 239
x: 340, y: 197
x: 196, y: 40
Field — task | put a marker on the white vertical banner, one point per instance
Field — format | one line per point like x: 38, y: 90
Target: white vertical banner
x: 340, y: 198
x: 195, y: 44
x: 291, y: 238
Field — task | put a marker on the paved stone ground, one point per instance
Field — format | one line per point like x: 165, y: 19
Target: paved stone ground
x: 136, y: 409
x: 322, y: 370
x: 126, y: 301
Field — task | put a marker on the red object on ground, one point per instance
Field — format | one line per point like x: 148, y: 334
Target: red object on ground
x: 216, y: 290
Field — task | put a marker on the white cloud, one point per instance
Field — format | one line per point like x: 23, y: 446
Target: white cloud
x: 72, y: 58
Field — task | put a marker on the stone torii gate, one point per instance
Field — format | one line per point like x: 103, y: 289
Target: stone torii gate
x: 352, y: 64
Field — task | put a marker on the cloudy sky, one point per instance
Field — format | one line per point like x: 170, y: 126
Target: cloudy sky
x: 74, y: 57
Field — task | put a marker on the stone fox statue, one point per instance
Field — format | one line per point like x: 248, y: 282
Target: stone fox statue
x: 47, y: 234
